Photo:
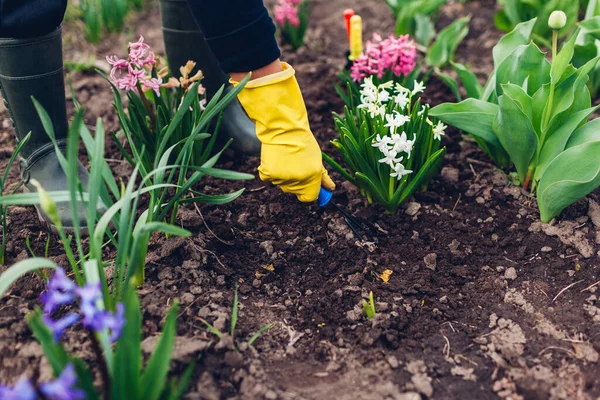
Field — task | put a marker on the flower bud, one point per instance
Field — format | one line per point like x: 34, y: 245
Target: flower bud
x: 47, y: 204
x: 557, y: 20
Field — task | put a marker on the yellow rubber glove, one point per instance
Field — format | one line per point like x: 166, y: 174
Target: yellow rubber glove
x: 290, y: 156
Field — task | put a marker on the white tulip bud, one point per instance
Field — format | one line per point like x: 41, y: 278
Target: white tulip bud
x: 557, y: 20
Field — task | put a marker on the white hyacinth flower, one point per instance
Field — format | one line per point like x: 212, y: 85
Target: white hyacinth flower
x: 401, y: 144
x: 400, y: 171
x: 402, y: 99
x: 382, y: 142
x: 383, y: 96
x: 420, y: 113
x: 390, y: 157
x: 401, y: 89
x: 396, y: 120
x: 439, y: 130
x: 419, y: 88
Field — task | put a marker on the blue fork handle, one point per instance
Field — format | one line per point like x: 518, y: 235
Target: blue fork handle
x: 324, y: 197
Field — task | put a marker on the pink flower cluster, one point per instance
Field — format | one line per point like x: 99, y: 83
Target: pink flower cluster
x: 287, y: 10
x: 382, y: 55
x: 126, y: 74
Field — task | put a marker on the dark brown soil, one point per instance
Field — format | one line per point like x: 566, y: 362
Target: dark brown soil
x: 474, y: 309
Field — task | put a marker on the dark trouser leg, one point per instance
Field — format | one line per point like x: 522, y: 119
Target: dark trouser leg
x: 30, y: 18
x: 31, y: 65
x: 184, y: 41
x: 240, y: 33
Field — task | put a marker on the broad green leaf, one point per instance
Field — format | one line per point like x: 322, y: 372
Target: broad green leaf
x: 556, y: 141
x: 442, y: 50
x: 469, y: 80
x: 572, y: 175
x: 424, y: 29
x: 563, y: 59
x: 155, y: 375
x: 519, y: 36
x: 525, y: 64
x: 589, y: 132
x: 475, y: 117
x: 516, y: 134
x: 20, y: 269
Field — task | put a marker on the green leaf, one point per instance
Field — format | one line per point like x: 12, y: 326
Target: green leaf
x: 259, y: 334
x: 516, y: 134
x: 475, y: 117
x: 517, y: 37
x: 424, y: 29
x: 469, y: 80
x: 451, y: 83
x: 556, y: 141
x: 128, y: 355
x: 572, y: 175
x: 589, y: 132
x: 155, y: 374
x: 442, y: 50
x: 563, y: 59
x: 524, y: 64
x: 21, y: 268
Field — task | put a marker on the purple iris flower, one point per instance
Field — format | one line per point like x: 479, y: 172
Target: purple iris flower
x: 58, y: 327
x: 23, y: 390
x: 63, y: 388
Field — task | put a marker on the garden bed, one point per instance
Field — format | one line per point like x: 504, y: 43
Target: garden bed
x: 483, y: 302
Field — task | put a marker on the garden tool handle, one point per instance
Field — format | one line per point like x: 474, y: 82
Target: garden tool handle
x: 324, y: 197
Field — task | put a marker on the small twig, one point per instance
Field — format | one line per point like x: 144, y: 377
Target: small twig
x: 102, y: 364
x: 457, y: 201
x: 565, y: 289
x: 590, y: 287
x: 477, y: 162
x: 558, y: 348
x: 475, y: 174
x: 446, y: 349
x: 206, y: 226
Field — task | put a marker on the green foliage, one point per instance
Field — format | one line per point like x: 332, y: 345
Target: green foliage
x: 587, y: 45
x: 514, y: 12
x: 105, y: 15
x: 294, y: 35
x: 533, y: 114
x: 369, y: 307
x: 123, y: 377
x: 365, y: 125
x: 233, y: 324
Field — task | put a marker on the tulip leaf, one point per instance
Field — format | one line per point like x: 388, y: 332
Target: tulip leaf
x: 516, y: 134
x: 589, y: 132
x: 469, y: 80
x: 572, y: 175
x: 442, y: 50
x: 10, y: 276
x: 525, y: 64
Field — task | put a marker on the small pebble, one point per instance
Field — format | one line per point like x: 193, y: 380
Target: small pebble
x: 430, y: 261
x: 412, y: 209
x: 546, y: 249
x: 511, y: 273
x: 393, y: 361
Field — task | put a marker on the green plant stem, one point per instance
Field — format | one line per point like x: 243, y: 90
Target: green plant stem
x: 70, y: 256
x: 529, y: 175
x: 552, y: 85
x: 102, y: 365
x: 148, y: 107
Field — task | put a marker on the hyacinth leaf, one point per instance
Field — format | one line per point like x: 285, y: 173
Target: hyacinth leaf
x: 525, y: 64
x: 592, y: 10
x: 469, y: 80
x: 442, y: 50
x: 128, y: 354
x: 563, y: 59
x: 572, y: 175
x: 10, y: 276
x: 216, y: 199
x: 155, y: 374
x: 57, y: 355
x: 475, y: 117
x: 557, y: 141
x: 589, y: 132
x: 516, y: 134
x: 177, y: 388
x: 341, y: 170
x: 431, y: 167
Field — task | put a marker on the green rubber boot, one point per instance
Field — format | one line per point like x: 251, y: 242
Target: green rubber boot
x: 183, y: 42
x: 33, y: 67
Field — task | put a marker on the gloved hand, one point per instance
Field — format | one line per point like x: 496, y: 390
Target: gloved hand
x: 290, y: 156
